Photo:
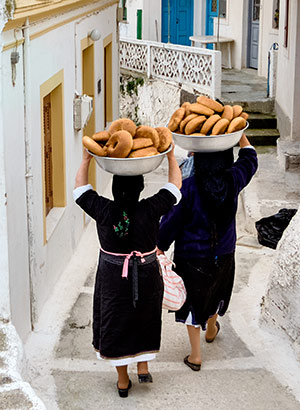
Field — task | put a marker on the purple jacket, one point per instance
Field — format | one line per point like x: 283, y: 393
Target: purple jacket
x: 188, y: 224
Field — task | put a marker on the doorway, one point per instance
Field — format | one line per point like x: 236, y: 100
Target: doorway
x: 88, y: 89
x: 177, y: 21
x: 253, y: 33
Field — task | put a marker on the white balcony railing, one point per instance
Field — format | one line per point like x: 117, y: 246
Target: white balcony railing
x: 195, y: 66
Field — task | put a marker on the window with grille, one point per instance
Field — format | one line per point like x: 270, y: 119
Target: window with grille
x: 286, y: 24
x: 275, y: 22
x: 222, y: 8
x: 48, y: 164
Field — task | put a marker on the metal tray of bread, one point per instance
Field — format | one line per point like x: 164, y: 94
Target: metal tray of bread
x: 208, y: 143
x: 130, y: 166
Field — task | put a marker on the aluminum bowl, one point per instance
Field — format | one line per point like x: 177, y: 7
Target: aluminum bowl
x: 130, y: 166
x: 209, y: 143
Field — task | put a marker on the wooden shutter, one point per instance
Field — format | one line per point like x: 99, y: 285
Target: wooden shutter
x: 48, y: 154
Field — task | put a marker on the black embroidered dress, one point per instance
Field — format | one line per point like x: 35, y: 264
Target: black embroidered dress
x: 121, y: 330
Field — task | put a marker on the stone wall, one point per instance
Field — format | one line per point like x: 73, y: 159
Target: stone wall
x: 281, y: 307
x: 146, y: 101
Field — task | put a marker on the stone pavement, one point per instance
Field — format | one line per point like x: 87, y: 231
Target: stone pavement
x: 247, y: 367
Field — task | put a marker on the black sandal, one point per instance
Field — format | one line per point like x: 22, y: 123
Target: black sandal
x: 218, y: 329
x: 124, y: 392
x: 194, y: 366
x: 145, y: 378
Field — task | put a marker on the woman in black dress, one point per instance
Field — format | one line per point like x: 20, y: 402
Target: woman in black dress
x: 128, y: 290
x: 203, y: 228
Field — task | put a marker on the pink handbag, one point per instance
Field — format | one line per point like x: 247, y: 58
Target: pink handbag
x: 174, y: 289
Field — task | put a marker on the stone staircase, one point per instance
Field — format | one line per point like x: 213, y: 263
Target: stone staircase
x: 245, y: 88
x: 262, y: 129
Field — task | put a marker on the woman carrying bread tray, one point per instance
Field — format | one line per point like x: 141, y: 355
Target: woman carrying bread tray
x: 129, y: 288
x: 203, y: 227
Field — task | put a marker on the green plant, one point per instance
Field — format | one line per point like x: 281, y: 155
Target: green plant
x: 9, y: 8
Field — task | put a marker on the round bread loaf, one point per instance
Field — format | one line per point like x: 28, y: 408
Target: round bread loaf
x: 122, y: 124
x: 102, y: 136
x: 228, y: 112
x: 209, y: 123
x: 194, y: 124
x: 93, y: 146
x: 144, y: 131
x: 237, y: 110
x: 119, y: 145
x: 144, y: 152
x: 185, y: 121
x: 212, y: 104
x: 200, y: 109
x: 220, y: 127
x: 165, y: 138
x: 236, y: 124
x: 176, y: 118
x: 244, y: 115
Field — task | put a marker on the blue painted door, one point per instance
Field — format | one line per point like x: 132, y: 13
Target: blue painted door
x: 211, y: 12
x: 177, y: 21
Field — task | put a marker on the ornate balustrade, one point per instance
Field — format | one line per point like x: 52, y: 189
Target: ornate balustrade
x: 198, y: 67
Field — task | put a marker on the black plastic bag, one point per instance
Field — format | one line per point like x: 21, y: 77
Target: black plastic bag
x: 270, y: 229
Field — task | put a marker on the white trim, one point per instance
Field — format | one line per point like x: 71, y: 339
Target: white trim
x: 129, y: 360
x: 77, y: 192
x: 174, y: 190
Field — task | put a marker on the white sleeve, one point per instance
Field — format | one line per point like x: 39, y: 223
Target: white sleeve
x: 249, y: 146
x: 174, y: 190
x: 77, y: 192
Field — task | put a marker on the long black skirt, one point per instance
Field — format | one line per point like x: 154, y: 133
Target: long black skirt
x: 209, y: 283
x: 121, y: 330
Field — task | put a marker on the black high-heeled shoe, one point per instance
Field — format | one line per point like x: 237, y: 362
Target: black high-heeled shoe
x: 124, y: 392
x: 145, y: 378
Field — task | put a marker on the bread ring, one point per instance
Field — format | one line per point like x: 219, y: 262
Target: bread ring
x: 194, y: 124
x: 185, y: 121
x: 228, y: 112
x: 122, y: 124
x: 165, y: 138
x: 93, y: 146
x: 209, y: 123
x: 220, y: 127
x: 236, y: 124
x: 148, y: 132
x: 176, y: 118
x: 237, y: 110
x: 144, y: 152
x: 244, y: 115
x: 212, y: 104
x: 200, y: 109
x: 102, y: 136
x: 119, y: 145
x: 139, y: 143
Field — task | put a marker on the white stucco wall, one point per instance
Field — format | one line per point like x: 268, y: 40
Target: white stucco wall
x: 128, y: 29
x: 282, y: 305
x: 49, y: 53
x: 288, y: 58
x: 268, y: 36
x: 4, y: 273
x: 234, y: 26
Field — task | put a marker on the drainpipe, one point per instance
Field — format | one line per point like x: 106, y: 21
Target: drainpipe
x: 28, y: 162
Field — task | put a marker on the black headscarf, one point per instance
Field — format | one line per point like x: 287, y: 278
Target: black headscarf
x: 215, y: 185
x: 126, y: 192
